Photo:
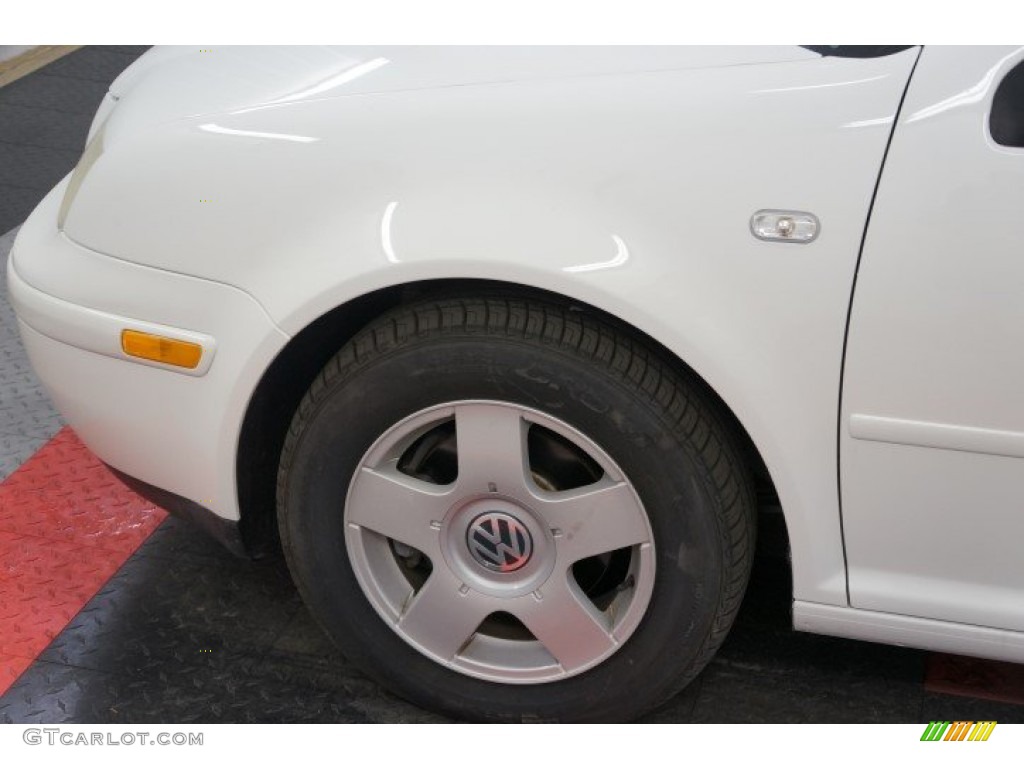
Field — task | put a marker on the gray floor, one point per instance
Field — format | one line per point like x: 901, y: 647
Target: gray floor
x: 43, y: 121
x: 27, y: 418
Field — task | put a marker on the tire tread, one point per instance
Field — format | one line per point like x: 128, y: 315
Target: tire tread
x: 662, y: 385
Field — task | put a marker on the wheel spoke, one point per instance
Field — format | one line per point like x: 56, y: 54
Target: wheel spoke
x: 461, y: 590
x: 566, y: 623
x: 492, y: 450
x: 398, y: 506
x: 441, y: 618
x: 595, y: 519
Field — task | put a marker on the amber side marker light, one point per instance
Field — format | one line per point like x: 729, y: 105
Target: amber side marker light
x: 147, y: 346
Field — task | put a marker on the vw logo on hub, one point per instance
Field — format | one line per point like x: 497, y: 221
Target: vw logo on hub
x: 499, y: 542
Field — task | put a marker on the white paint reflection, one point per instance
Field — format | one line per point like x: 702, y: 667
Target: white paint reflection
x: 620, y: 258
x: 345, y: 76
x: 821, y: 85
x: 868, y: 123
x: 385, y: 233
x: 970, y: 96
x: 214, y: 128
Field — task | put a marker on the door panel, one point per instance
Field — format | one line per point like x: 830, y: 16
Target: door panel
x: 932, y: 419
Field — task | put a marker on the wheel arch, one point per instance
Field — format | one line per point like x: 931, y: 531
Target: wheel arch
x: 285, y: 381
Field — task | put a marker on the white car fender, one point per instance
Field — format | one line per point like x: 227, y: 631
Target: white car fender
x: 630, y: 192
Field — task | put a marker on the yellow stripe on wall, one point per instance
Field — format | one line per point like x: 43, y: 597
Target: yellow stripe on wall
x: 28, y: 62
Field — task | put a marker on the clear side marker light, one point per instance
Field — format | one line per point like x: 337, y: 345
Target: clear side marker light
x: 784, y: 226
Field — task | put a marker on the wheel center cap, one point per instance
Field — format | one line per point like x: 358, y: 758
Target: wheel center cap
x: 499, y: 541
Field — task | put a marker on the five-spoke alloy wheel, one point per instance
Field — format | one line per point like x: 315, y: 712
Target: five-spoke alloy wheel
x: 503, y: 547
x: 504, y: 510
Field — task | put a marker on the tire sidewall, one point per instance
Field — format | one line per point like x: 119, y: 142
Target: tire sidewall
x: 348, y: 416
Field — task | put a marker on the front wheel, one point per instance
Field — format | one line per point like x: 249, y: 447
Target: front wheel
x: 504, y: 510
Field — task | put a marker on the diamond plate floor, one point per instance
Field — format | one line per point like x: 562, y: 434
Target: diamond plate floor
x: 27, y: 419
x: 177, y: 630
x: 66, y: 526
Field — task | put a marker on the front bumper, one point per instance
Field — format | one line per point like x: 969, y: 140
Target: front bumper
x: 173, y: 429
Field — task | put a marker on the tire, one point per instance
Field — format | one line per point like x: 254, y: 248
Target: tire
x: 408, y: 522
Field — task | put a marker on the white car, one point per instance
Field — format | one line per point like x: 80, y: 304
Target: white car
x: 503, y: 341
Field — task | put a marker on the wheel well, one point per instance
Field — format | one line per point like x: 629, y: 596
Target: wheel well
x: 286, y: 381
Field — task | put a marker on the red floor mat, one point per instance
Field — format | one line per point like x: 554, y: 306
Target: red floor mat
x: 979, y: 678
x: 66, y: 526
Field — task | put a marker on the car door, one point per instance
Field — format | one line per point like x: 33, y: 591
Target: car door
x: 932, y: 416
